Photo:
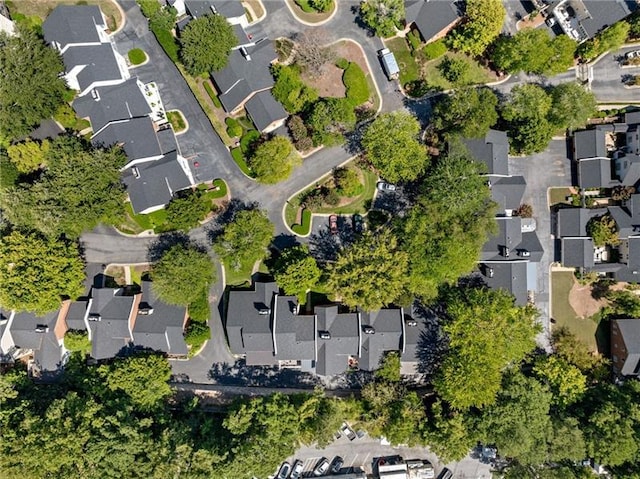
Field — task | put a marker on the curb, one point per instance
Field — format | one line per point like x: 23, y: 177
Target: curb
x: 309, y: 24
x: 186, y: 122
x: 147, y: 60
x: 257, y: 19
x: 124, y: 18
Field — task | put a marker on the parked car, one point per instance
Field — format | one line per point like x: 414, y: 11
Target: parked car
x: 296, y: 471
x: 283, y: 472
x: 550, y: 21
x: 333, y: 224
x: 336, y: 464
x: 384, y: 186
x: 632, y: 54
x: 322, y: 467
x: 358, y: 223
x: 347, y: 431
x: 445, y: 474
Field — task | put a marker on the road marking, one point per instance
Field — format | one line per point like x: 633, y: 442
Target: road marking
x: 364, y: 463
x: 353, y: 460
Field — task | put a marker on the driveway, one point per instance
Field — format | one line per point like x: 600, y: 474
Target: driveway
x: 542, y: 171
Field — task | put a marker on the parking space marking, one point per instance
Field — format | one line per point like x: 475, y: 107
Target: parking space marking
x: 366, y: 458
x: 309, y: 463
x: 353, y: 460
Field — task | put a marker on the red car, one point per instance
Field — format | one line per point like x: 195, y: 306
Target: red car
x: 333, y: 224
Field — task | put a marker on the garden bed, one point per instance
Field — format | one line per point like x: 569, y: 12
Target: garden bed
x: 177, y: 120
x: 305, y: 12
x: 137, y: 56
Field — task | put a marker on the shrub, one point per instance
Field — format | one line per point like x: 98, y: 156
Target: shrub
x: 168, y: 43
x: 234, y: 129
x: 313, y: 200
x: 321, y: 5
x: 212, y: 95
x: 284, y: 47
x: 342, y: 63
x: 356, y: 84
x: 524, y: 211
x: 196, y: 334
x: 186, y: 211
x: 297, y: 128
x: 455, y: 70
x: 199, y: 310
x: 435, y: 49
x: 303, y: 228
x: 304, y: 144
x: 149, y: 7
x: 249, y: 141
x: 290, y: 90
x: 347, y: 182
x: 414, y: 40
x: 77, y: 341
x: 137, y: 56
x: 331, y: 197
x: 177, y: 121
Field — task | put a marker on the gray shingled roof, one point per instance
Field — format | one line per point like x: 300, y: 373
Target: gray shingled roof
x: 630, y: 331
x: 573, y: 221
x: 119, y: 102
x: 577, y: 252
x: 511, y: 236
x: 634, y: 253
x: 507, y: 192
x: 333, y: 354
x: 510, y: 276
x: 492, y: 150
x: 388, y: 327
x: 136, y: 135
x: 226, y: 8
x: 295, y: 334
x: 627, y: 217
x: 264, y: 110
x: 589, y: 144
x: 99, y: 63
x: 70, y: 24
x: 47, y: 351
x: 632, y: 173
x: 161, y: 330
x: 156, y: 182
x: 414, y: 337
x: 603, y: 14
x: 167, y: 139
x: 110, y: 335
x: 75, y: 315
x: 595, y: 173
x: 431, y: 17
x: 249, y: 331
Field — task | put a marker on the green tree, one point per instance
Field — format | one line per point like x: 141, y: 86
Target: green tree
x: 392, y: 146
x: 32, y: 88
x: 355, y: 82
x: 29, y: 155
x: 382, y: 16
x: 347, y: 182
x: 79, y: 189
x: 297, y: 272
x: 565, y: 381
x: 370, y: 273
x: 482, y: 25
x: 245, y: 240
x: 274, y: 160
x: 449, y: 433
x: 470, y: 112
x: 487, y: 333
x: 77, y: 341
x: 181, y: 274
x: 566, y: 442
x: 329, y: 119
x: 37, y: 272
x: 9, y: 174
x: 572, y: 105
x: 389, y: 369
x: 623, y: 304
x: 568, y: 347
x: 610, y: 39
x: 456, y: 71
x: 603, y: 230
x: 527, y: 115
x: 186, y: 210
x: 290, y: 90
x: 206, y: 44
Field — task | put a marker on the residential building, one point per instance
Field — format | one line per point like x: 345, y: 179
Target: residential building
x: 581, y: 20
x: 433, y: 18
x: 338, y: 340
x: 625, y: 346
x: 232, y: 10
x: 383, y: 331
x: 294, y: 334
x: 492, y: 150
x: 266, y: 113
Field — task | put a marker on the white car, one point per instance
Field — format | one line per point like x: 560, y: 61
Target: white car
x: 632, y: 54
x: 383, y: 186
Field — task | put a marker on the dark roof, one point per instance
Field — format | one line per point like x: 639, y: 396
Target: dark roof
x: 112, y: 103
x: 511, y: 236
x: 110, y: 335
x: 99, y: 63
x: 264, y: 110
x: 76, y: 314
x: 603, y: 14
x: 627, y: 217
x: 47, y: 351
x: 632, y: 173
x: 249, y: 331
x: 295, y: 334
x: 388, y: 326
x: 226, y: 8
x: 510, y: 276
x: 492, y: 150
x: 241, y: 35
x: 167, y: 139
x: 161, y: 330
x: 594, y: 173
x: 589, y: 144
x: 198, y: 8
x: 242, y: 77
x: 69, y: 24
x: 577, y: 252
x: 507, y: 192
x: 414, y: 336
x: 136, y: 135
x: 630, y: 332
x: 573, y: 221
x: 155, y: 183
x: 431, y: 17
x: 333, y: 354
x: 634, y: 253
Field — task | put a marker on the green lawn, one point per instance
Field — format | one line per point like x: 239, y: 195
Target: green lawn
x: 238, y: 157
x: 563, y: 313
x: 559, y: 195
x: 213, y: 194
x: 360, y: 203
x: 238, y: 278
x: 137, y: 56
x: 433, y: 77
x: 177, y: 121
x: 409, y: 69
x: 135, y: 223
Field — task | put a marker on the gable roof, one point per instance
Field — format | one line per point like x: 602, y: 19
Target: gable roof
x: 507, y: 192
x: 578, y: 252
x: 264, y: 110
x: 112, y: 103
x: 47, y: 351
x: 99, y: 61
x: 510, y: 276
x: 333, y: 354
x: 589, y: 144
x: 632, y: 174
x: 627, y: 217
x: 604, y: 14
x: 76, y: 315
x: 492, y: 150
x: 594, y: 172
x: 73, y: 24
x: 388, y: 325
x: 110, y: 334
x: 414, y: 336
x: 153, y: 183
x: 432, y: 16
x: 136, y: 135
x: 162, y: 329
x: 630, y: 332
x: 634, y: 253
x: 294, y: 334
x: 573, y: 221
x: 510, y: 235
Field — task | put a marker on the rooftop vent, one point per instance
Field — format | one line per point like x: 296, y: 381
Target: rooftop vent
x: 324, y: 334
x: 95, y: 94
x: 411, y: 322
x: 145, y: 311
x: 135, y: 171
x: 42, y: 328
x: 94, y: 317
x: 264, y: 311
x: 368, y: 330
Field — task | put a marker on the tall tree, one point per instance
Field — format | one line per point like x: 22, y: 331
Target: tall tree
x: 290, y: 90
x: 245, y: 240
x: 182, y: 274
x: 572, y: 105
x: 329, y: 119
x: 564, y: 380
x: 482, y: 24
x: 296, y: 271
x: 274, y: 160
x: 37, y: 272
x: 312, y: 53
x: 80, y: 188
x: 469, y: 111
x: 392, y: 146
x: 370, y: 273
x: 487, y: 333
x: 31, y: 88
x: 603, y: 230
x: 449, y: 433
x: 382, y: 16
x: 29, y: 155
x: 206, y: 44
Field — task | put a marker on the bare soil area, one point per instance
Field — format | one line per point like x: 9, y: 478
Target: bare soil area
x: 42, y: 8
x: 583, y: 302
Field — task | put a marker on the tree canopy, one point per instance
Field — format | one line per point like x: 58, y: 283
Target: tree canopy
x: 482, y: 25
x: 32, y: 88
x: 274, y: 160
x: 206, y: 43
x: 296, y: 272
x: 469, y: 112
x: 37, y: 272
x: 481, y: 320
x: 382, y: 16
x: 370, y: 273
x: 29, y: 155
x: 181, y: 274
x: 572, y: 105
x: 290, y: 90
x: 392, y: 146
x: 329, y: 119
x: 564, y: 380
x: 603, y: 230
x: 245, y: 240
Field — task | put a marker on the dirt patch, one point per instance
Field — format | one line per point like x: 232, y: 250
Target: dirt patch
x: 583, y: 302
x: 328, y: 83
x: 42, y: 8
x: 352, y: 52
